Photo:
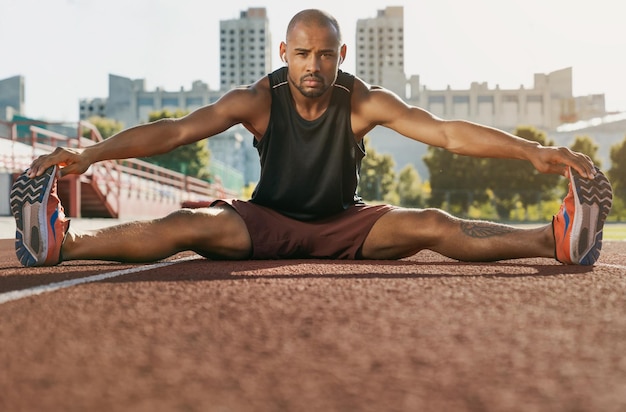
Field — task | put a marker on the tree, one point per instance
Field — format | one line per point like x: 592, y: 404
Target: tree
x: 191, y: 159
x: 455, y: 180
x: 588, y: 146
x: 461, y: 181
x: 377, y: 175
x: 107, y: 127
x: 410, y: 187
x: 617, y: 173
x: 517, y: 180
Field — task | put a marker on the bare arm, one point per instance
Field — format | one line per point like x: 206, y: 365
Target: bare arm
x: 376, y: 106
x: 160, y: 136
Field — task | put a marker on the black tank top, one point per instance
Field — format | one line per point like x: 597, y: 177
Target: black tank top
x: 309, y: 169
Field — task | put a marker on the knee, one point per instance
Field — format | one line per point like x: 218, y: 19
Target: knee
x: 204, y: 221
x: 181, y: 216
x: 211, y: 232
x: 436, y: 219
x: 432, y: 225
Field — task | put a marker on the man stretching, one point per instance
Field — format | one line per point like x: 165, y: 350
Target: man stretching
x: 309, y: 119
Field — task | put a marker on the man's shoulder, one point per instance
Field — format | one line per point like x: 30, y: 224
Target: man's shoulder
x: 257, y: 88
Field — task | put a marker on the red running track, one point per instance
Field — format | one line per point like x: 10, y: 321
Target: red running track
x: 420, y: 334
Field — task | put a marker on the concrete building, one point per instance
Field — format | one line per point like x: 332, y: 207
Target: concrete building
x: 245, y: 48
x: 130, y: 103
x: 380, y: 50
x: 548, y: 104
x: 11, y: 97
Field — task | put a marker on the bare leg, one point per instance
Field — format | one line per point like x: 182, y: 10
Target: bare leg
x: 404, y: 232
x: 211, y: 232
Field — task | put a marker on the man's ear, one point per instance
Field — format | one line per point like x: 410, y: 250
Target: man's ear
x: 342, y: 53
x: 283, y: 52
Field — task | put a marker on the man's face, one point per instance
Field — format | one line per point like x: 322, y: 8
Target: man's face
x: 313, y: 55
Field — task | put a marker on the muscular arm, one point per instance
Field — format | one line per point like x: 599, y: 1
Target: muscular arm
x: 376, y: 106
x: 236, y: 106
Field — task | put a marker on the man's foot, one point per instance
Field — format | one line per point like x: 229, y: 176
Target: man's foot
x: 40, y: 219
x: 578, y: 225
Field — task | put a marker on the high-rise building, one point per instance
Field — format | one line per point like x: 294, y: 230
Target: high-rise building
x: 245, y: 44
x: 11, y: 97
x: 380, y: 50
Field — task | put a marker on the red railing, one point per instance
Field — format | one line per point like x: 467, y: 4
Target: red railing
x: 112, y: 178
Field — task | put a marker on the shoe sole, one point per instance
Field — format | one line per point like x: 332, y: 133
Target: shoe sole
x: 593, y: 198
x: 31, y: 247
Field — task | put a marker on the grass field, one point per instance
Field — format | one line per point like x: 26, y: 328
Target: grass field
x: 615, y: 231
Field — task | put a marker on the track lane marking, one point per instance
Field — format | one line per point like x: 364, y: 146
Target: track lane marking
x: 52, y: 287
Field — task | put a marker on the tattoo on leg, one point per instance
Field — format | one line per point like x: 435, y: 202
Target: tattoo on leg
x: 479, y: 229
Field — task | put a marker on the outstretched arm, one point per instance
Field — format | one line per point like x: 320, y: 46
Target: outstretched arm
x: 381, y: 107
x: 157, y: 137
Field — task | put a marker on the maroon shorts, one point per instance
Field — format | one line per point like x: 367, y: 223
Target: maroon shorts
x: 276, y: 236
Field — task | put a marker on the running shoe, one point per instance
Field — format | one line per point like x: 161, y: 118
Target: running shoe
x: 39, y: 218
x: 578, y: 225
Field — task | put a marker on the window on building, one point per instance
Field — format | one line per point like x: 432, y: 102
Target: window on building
x: 437, y: 99
x: 193, y: 101
x: 170, y: 102
x: 145, y: 101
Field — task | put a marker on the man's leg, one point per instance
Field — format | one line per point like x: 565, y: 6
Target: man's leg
x: 217, y: 232
x: 43, y: 238
x: 575, y: 235
x: 404, y: 232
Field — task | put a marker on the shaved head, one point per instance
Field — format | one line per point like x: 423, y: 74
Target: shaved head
x: 315, y: 17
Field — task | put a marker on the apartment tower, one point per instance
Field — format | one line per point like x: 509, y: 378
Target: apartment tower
x: 380, y: 49
x: 245, y: 44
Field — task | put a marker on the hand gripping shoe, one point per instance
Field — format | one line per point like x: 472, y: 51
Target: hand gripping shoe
x: 40, y: 219
x: 578, y: 225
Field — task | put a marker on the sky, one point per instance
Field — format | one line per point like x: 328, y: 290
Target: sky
x: 66, y: 49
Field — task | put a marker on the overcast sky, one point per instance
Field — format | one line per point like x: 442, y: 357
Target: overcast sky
x: 66, y: 49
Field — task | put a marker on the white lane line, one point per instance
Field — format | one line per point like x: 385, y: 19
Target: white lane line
x: 610, y: 265
x: 51, y: 287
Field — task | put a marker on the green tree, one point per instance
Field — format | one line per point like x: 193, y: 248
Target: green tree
x: 588, y: 146
x: 107, y: 127
x: 410, y: 187
x: 461, y: 181
x: 191, y: 159
x: 377, y: 176
x: 617, y: 173
x: 455, y: 180
x: 515, y: 181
